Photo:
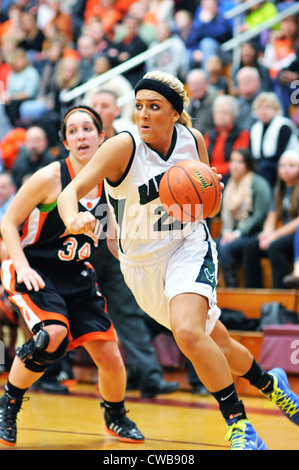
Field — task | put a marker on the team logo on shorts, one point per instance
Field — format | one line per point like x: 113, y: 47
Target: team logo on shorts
x: 207, y: 273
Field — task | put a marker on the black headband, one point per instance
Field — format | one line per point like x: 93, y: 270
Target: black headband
x: 172, y: 96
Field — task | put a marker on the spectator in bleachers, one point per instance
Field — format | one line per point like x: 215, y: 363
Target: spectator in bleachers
x: 245, y: 205
x: 9, y: 44
x: 276, y: 241
x: 23, y: 84
x: 44, y: 101
x: 249, y: 57
x: 158, y: 10
x: 182, y: 24
x: 226, y: 135
x: 44, y: 14
x: 87, y: 51
x: 286, y: 85
x: 104, y: 102
x: 248, y: 87
x: 259, y: 13
x: 280, y: 48
x: 7, y: 191
x: 95, y: 29
x: 173, y: 60
x: 109, y: 11
x: 147, y: 29
x: 56, y: 13
x: 32, y: 156
x: 67, y: 78
x: 128, y: 47
x: 209, y: 30
x: 32, y: 38
x: 255, y: 16
x: 12, y: 25
x: 271, y: 135
x: 119, y: 85
x: 218, y: 81
x: 201, y: 97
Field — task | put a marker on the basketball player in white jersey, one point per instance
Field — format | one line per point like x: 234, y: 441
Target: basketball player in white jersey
x: 171, y: 267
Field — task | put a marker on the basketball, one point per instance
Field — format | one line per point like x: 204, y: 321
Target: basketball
x: 190, y: 191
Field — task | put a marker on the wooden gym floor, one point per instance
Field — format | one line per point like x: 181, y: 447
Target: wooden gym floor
x: 175, y: 422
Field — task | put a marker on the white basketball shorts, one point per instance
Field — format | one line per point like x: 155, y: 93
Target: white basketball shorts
x: 191, y: 267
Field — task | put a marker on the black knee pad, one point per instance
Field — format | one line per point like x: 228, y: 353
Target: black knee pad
x: 33, y: 352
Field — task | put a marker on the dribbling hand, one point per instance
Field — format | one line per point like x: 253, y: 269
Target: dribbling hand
x: 219, y: 176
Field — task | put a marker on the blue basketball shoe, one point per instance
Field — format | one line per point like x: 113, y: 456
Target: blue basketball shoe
x: 283, y: 397
x: 242, y: 436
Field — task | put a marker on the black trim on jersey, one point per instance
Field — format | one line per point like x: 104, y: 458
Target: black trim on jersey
x: 171, y: 148
x: 117, y: 183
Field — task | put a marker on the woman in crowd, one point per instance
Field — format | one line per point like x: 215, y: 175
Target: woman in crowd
x: 245, y: 205
x: 276, y: 240
x: 271, y: 135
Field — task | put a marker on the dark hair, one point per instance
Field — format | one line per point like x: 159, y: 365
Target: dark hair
x: 247, y: 157
x: 96, y: 118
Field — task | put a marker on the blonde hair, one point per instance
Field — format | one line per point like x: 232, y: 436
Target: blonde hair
x: 178, y: 87
x: 60, y: 77
x: 270, y: 98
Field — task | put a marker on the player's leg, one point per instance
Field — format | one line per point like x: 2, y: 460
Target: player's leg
x: 112, y: 386
x: 273, y: 384
x: 188, y: 315
x: 32, y: 359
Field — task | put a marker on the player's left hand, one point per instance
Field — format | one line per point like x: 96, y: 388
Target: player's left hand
x: 219, y: 177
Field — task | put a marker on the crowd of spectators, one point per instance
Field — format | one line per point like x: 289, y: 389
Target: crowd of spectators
x: 49, y: 47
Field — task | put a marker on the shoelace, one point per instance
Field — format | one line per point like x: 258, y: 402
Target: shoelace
x: 278, y: 397
x: 236, y: 435
x: 122, y: 422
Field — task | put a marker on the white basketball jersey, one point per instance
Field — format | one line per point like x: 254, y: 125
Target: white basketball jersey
x: 144, y: 227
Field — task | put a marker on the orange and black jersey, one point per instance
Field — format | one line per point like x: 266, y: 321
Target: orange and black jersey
x: 42, y: 233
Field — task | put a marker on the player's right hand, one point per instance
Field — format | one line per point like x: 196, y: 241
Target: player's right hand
x: 83, y: 222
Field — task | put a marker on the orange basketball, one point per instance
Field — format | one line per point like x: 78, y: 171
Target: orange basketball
x: 190, y: 191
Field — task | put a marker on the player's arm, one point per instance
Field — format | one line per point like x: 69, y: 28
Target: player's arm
x: 112, y: 242
x: 110, y: 161
x: 203, y: 153
x: 202, y: 150
x: 39, y: 188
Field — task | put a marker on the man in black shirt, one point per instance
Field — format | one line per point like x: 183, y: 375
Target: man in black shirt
x: 34, y: 155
